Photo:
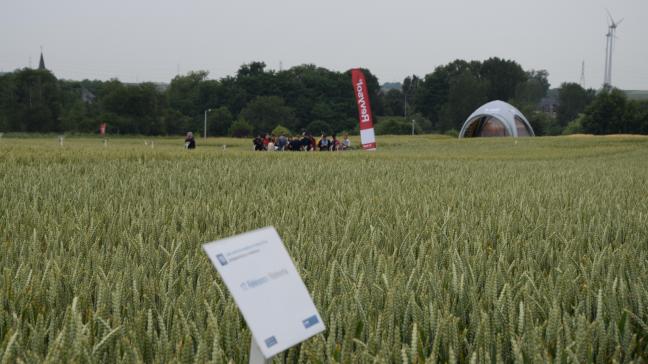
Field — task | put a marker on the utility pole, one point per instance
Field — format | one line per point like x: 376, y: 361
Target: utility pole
x: 205, y: 127
x: 582, y: 76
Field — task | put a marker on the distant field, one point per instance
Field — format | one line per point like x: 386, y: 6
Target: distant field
x: 431, y: 249
x: 637, y: 94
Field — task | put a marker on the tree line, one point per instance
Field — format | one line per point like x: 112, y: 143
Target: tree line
x: 307, y: 97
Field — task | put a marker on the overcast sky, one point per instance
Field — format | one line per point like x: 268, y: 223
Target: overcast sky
x: 149, y: 40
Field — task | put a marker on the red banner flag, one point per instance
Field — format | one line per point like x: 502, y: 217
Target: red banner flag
x: 367, y: 135
x: 102, y: 129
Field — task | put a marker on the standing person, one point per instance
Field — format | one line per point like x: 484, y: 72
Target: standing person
x: 323, y: 143
x: 346, y: 143
x: 190, y: 142
x: 281, y: 142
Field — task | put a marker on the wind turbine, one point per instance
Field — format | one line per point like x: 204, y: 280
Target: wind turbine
x: 609, y: 49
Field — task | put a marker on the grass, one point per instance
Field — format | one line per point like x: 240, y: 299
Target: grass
x: 431, y: 249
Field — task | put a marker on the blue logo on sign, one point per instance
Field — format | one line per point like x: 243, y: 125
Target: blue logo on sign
x: 310, y: 321
x: 221, y: 259
x: 271, y: 341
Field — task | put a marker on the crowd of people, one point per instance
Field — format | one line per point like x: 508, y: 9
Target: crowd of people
x: 304, y: 143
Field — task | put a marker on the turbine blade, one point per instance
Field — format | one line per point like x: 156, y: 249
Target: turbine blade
x: 610, y: 15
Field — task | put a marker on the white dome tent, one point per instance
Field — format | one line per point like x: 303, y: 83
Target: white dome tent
x: 496, y: 119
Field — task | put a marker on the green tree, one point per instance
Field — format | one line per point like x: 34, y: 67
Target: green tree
x: 503, y: 78
x: 256, y: 81
x: 396, y: 125
x: 323, y: 111
x: 534, y: 88
x: 432, y: 92
x: 135, y: 109
x: 232, y: 95
x: 607, y: 114
x: 219, y: 121
x: 641, y: 117
x: 466, y: 93
x: 393, y: 102
x: 76, y: 117
x: 7, y: 101
x: 31, y: 101
x: 265, y: 112
x: 241, y: 128
x: 421, y: 122
x: 410, y: 85
x: 176, y: 123
x: 575, y: 126
x: 319, y: 127
x: 316, y: 93
x: 635, y: 117
x: 184, y: 93
x: 281, y: 130
x: 573, y: 99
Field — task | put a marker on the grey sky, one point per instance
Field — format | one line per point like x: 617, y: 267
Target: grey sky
x: 146, y: 40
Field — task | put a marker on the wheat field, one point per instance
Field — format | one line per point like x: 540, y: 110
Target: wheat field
x: 430, y: 250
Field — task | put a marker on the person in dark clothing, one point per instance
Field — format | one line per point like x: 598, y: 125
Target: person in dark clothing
x: 295, y: 144
x: 305, y: 142
x: 258, y: 143
x: 190, y: 142
x: 324, y: 143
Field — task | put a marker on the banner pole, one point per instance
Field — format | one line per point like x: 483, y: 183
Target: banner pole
x: 256, y: 356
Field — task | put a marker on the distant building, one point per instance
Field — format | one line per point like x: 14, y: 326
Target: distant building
x: 549, y: 105
x: 385, y: 87
x: 161, y: 86
x: 87, y: 96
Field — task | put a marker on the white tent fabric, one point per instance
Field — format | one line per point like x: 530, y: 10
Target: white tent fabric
x: 496, y: 118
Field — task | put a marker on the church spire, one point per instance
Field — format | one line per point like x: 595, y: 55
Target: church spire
x: 41, y: 63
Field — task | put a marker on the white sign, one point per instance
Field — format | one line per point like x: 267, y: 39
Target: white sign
x: 267, y: 288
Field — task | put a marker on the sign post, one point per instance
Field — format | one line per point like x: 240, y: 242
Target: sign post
x: 256, y: 356
x: 268, y: 290
x: 367, y: 135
